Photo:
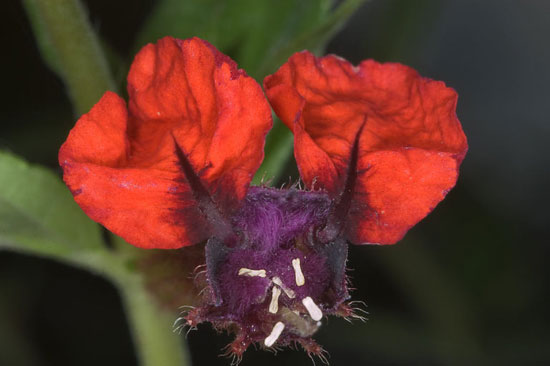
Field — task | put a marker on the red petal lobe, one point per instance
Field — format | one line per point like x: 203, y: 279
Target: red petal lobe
x: 410, y: 145
x: 122, y: 164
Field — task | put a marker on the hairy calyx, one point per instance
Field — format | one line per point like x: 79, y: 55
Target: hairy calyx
x: 275, y: 285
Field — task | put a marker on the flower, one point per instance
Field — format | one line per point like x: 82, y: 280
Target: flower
x: 377, y: 145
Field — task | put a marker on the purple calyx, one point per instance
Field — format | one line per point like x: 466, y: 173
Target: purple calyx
x: 277, y: 282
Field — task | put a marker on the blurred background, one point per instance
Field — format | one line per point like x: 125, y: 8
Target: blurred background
x: 469, y: 285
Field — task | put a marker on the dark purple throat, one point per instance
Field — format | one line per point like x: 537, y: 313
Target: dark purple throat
x: 278, y: 282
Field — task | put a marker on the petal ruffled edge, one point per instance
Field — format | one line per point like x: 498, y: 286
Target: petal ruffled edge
x: 145, y: 206
x: 409, y: 149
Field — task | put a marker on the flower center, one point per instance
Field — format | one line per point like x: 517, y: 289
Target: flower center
x: 277, y: 283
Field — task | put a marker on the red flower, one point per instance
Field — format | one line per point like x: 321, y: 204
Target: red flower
x: 377, y: 145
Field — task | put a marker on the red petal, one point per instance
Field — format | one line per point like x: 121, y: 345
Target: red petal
x: 122, y: 164
x: 410, y: 146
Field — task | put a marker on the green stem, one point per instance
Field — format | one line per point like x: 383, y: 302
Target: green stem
x: 151, y: 327
x: 69, y: 45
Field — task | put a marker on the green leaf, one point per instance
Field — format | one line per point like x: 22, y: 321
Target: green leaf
x: 38, y: 214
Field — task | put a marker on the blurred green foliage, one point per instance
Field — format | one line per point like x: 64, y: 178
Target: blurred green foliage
x: 250, y: 31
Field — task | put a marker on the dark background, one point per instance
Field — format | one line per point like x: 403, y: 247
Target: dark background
x: 467, y: 286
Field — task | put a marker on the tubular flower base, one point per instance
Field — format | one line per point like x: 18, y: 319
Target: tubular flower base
x: 377, y: 145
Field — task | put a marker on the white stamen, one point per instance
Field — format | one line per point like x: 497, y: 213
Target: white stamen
x: 300, y: 280
x: 312, y: 308
x: 274, y: 304
x: 252, y: 272
x: 275, y: 333
x: 288, y: 291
